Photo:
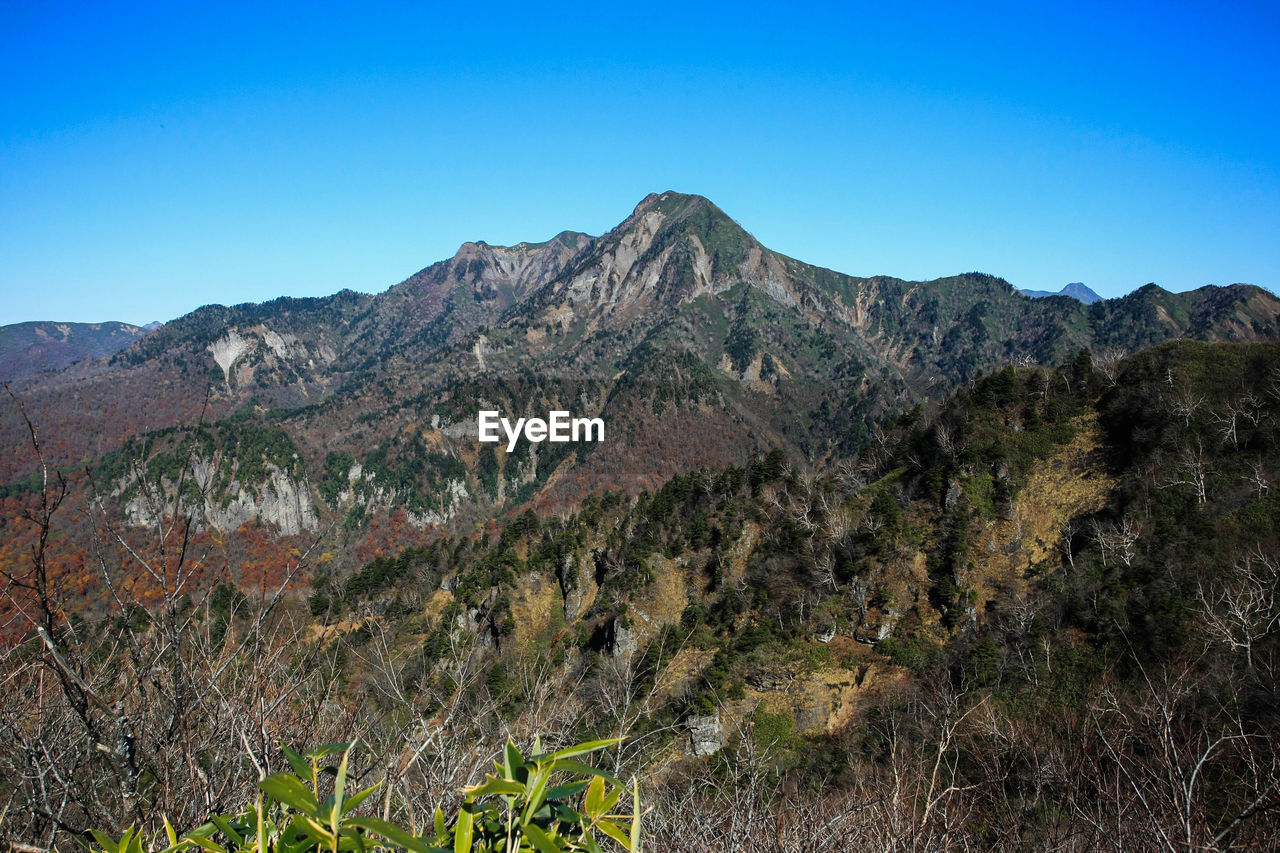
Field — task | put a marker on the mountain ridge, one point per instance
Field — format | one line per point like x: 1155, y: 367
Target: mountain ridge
x: 697, y: 343
x: 42, y: 345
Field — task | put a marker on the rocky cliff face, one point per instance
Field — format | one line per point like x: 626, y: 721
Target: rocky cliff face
x: 224, y: 504
x: 446, y: 301
x: 258, y: 356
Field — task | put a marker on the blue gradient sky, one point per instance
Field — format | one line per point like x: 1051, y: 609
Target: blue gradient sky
x: 154, y: 158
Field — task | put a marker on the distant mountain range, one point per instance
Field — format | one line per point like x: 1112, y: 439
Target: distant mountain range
x: 29, y: 348
x: 1076, y: 290
x: 696, y: 344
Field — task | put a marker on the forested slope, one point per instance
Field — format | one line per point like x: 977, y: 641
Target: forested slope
x: 1043, y: 613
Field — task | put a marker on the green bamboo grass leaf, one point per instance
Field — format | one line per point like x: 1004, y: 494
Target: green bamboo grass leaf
x: 615, y: 832
x: 536, y: 795
x: 356, y: 799
x: 562, y: 813
x: 176, y: 844
x: 513, y: 761
x: 339, y: 792
x: 635, y: 815
x: 290, y: 791
x: 486, y: 814
x: 492, y: 786
x: 260, y: 820
x: 105, y: 842
x: 574, y: 766
x: 462, y: 830
x: 541, y: 840
x: 547, y: 821
x: 313, y: 828
x: 170, y: 833
x: 225, y: 827
x: 392, y: 833
x: 351, y: 839
x: 611, y: 800
x: 299, y: 764
x: 579, y: 749
x: 207, y: 844
x: 595, y: 796
x: 567, y: 790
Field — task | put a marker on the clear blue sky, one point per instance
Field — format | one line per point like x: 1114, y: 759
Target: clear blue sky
x: 154, y: 158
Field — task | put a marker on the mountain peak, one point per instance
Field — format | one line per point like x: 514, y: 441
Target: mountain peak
x: 1080, y: 291
x: 673, y: 247
x: 1076, y: 290
x: 676, y: 213
x: 645, y: 203
x: 670, y: 201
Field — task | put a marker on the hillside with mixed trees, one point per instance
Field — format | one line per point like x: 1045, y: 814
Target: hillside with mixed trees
x: 908, y: 565
x: 30, y: 348
x: 1043, y: 613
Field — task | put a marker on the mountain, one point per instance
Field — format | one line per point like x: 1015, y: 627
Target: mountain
x: 1037, y: 614
x: 1069, y: 556
x: 963, y: 567
x: 29, y: 348
x: 697, y: 346
x: 1076, y: 290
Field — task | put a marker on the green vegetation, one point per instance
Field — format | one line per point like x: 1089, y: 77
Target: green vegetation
x: 237, y: 451
x: 528, y: 806
x: 773, y: 730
